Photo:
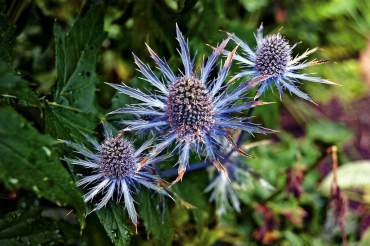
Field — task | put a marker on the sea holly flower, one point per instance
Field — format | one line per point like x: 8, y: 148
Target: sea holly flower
x: 273, y: 57
x: 193, y: 110
x: 115, y: 168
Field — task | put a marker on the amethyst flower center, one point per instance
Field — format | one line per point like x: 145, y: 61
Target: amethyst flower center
x: 117, y: 158
x: 272, y: 56
x: 190, y: 108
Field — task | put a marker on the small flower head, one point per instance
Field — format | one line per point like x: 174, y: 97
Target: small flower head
x: 114, y: 170
x: 273, y: 57
x: 189, y: 109
x: 117, y: 158
x: 194, y: 110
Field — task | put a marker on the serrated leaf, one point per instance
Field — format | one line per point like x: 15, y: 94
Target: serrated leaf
x: 74, y: 113
x: 13, y: 86
x: 29, y: 161
x: 6, y: 39
x: 21, y: 228
x: 65, y: 123
x: 351, y: 176
x: 156, y: 217
x: 112, y: 218
x: 76, y: 57
x: 191, y: 189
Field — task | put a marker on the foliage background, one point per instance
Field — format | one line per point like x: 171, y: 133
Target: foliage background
x: 55, y: 56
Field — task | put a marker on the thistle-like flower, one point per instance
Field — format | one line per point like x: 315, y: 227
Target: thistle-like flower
x: 115, y: 169
x: 273, y: 57
x: 193, y: 110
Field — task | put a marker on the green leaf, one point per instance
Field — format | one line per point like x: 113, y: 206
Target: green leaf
x: 76, y: 57
x: 191, y: 189
x: 74, y: 113
x: 329, y: 132
x: 29, y: 161
x: 13, y: 86
x: 68, y: 123
x: 6, y: 39
x: 112, y: 218
x: 21, y: 228
x: 156, y: 217
x: 351, y: 176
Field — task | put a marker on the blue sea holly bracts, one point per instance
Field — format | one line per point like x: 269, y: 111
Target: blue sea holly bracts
x: 114, y: 169
x: 192, y: 110
x: 273, y: 57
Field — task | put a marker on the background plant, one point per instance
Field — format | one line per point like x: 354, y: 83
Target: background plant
x: 54, y: 59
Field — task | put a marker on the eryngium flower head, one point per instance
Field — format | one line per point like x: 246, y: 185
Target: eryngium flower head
x: 115, y: 168
x: 273, y: 57
x: 193, y: 109
x: 189, y: 108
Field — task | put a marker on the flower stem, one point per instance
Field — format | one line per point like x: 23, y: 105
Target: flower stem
x: 172, y: 172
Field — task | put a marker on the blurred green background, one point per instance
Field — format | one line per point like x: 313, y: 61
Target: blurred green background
x: 54, y: 59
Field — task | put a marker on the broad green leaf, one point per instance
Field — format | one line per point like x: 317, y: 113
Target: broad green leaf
x: 13, y: 86
x: 351, y: 176
x: 191, y: 189
x: 76, y: 57
x: 21, y: 228
x: 29, y: 161
x: 74, y: 111
x: 155, y: 214
x: 329, y: 132
x: 113, y: 219
x: 6, y: 39
x: 68, y: 123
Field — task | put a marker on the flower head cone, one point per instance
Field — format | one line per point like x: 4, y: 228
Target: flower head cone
x: 114, y: 171
x: 192, y: 110
x: 273, y: 57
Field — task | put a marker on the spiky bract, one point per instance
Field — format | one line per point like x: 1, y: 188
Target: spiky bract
x: 114, y: 168
x: 272, y: 57
x: 193, y: 110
